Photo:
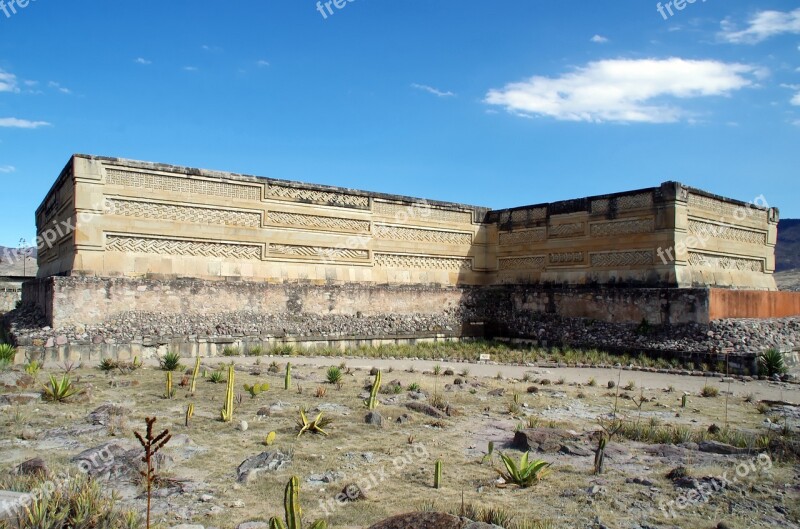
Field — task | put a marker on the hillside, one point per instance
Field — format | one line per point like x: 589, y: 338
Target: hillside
x: 11, y: 262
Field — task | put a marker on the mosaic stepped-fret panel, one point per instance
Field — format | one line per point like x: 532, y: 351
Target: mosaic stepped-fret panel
x: 318, y: 222
x: 185, y: 185
x: 723, y: 262
x: 399, y: 233
x: 316, y: 196
x: 420, y: 212
x: 320, y: 252
x: 390, y: 260
x: 622, y: 227
x: 132, y: 244
x: 563, y: 258
x: 534, y: 262
x: 630, y: 258
x: 724, y: 211
x: 623, y: 202
x: 708, y: 230
x: 152, y: 210
x: 570, y: 229
x: 522, y: 236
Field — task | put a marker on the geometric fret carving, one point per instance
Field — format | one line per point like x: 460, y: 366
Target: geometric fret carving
x: 566, y: 258
x: 622, y: 227
x: 627, y: 258
x: 533, y: 262
x: 150, y: 210
x: 526, y: 214
x: 404, y: 212
x: 573, y: 229
x: 399, y: 233
x: 329, y: 198
x: 183, y: 185
x: 317, y: 251
x: 139, y: 244
x: 706, y: 230
x: 390, y: 260
x: 724, y: 210
x: 722, y: 262
x: 316, y: 221
x: 624, y: 202
x: 522, y: 236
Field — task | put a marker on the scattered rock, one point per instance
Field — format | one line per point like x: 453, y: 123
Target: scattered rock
x: 352, y: 492
x: 374, y: 418
x: 242, y: 426
x: 548, y: 440
x: 32, y: 467
x: 429, y: 520
x: 104, y: 414
x: 497, y: 392
x: 533, y: 389
x: 317, y: 480
x: 19, y: 398
x: 404, y: 418
x: 332, y: 407
x: 715, y: 447
x: 427, y: 409
x: 253, y: 525
x: 269, y: 461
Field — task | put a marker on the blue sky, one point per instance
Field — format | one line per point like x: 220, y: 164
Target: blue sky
x: 497, y: 104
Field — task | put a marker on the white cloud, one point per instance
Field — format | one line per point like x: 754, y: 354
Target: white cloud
x: 22, y: 123
x: 599, y: 39
x: 796, y: 123
x: 142, y: 60
x: 622, y: 90
x: 57, y: 86
x: 761, y: 26
x: 432, y: 90
x: 796, y: 100
x: 190, y: 68
x: 8, y: 82
x: 6, y: 169
x: 262, y: 63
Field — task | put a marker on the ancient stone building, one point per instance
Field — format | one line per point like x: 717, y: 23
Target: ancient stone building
x: 122, y: 237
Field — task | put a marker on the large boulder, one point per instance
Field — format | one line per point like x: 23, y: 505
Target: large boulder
x: 430, y: 520
x: 427, y: 409
x: 269, y: 461
x: 548, y: 440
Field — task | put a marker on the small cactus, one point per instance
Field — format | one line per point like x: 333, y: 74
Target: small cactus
x: 287, y: 379
x: 683, y: 401
x: 189, y: 413
x: 169, y: 393
x: 194, y: 375
x: 372, y: 402
x: 269, y: 440
x: 600, y: 456
x: 227, y: 412
x: 437, y: 475
x: 292, y: 511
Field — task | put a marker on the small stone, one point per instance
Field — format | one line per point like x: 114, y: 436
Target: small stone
x: 32, y: 467
x: 205, y: 498
x: 243, y: 426
x: 374, y: 418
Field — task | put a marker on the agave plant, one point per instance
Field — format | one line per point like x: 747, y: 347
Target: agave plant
x: 59, y: 390
x: 770, y: 363
x: 7, y: 353
x: 315, y: 426
x: 171, y: 362
x: 334, y: 375
x: 524, y: 472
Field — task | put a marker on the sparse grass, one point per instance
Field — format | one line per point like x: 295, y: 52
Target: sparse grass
x: 255, y: 350
x: 108, y: 364
x: 7, y: 353
x: 709, y: 391
x: 413, y: 387
x: 630, y: 386
x: 231, y: 350
x: 333, y: 375
x: 216, y: 377
x: 592, y: 382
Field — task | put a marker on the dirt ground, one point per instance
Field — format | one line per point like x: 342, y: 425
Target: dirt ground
x: 394, y: 463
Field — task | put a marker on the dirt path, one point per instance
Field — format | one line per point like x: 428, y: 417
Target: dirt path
x: 761, y: 390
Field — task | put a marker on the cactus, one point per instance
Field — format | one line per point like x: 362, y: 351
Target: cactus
x: 227, y: 412
x: 437, y: 475
x: 256, y: 389
x: 194, y: 375
x: 287, y: 379
x: 315, y: 426
x: 292, y: 512
x: 270, y: 439
x: 600, y: 455
x: 489, y: 452
x: 372, y: 402
x: 169, y: 391
x: 683, y: 401
x: 189, y: 413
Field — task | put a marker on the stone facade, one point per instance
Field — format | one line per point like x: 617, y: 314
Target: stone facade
x: 109, y: 217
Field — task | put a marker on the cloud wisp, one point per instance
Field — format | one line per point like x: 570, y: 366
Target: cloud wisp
x: 432, y: 90
x: 762, y: 26
x: 623, y: 90
x: 142, y: 61
x: 599, y: 39
x: 16, y: 123
x: 8, y: 82
x: 7, y: 169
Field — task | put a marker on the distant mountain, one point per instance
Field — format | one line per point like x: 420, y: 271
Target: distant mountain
x: 787, y: 251
x: 13, y: 263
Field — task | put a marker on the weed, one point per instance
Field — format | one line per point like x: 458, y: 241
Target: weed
x: 333, y: 375
x: 171, y: 362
